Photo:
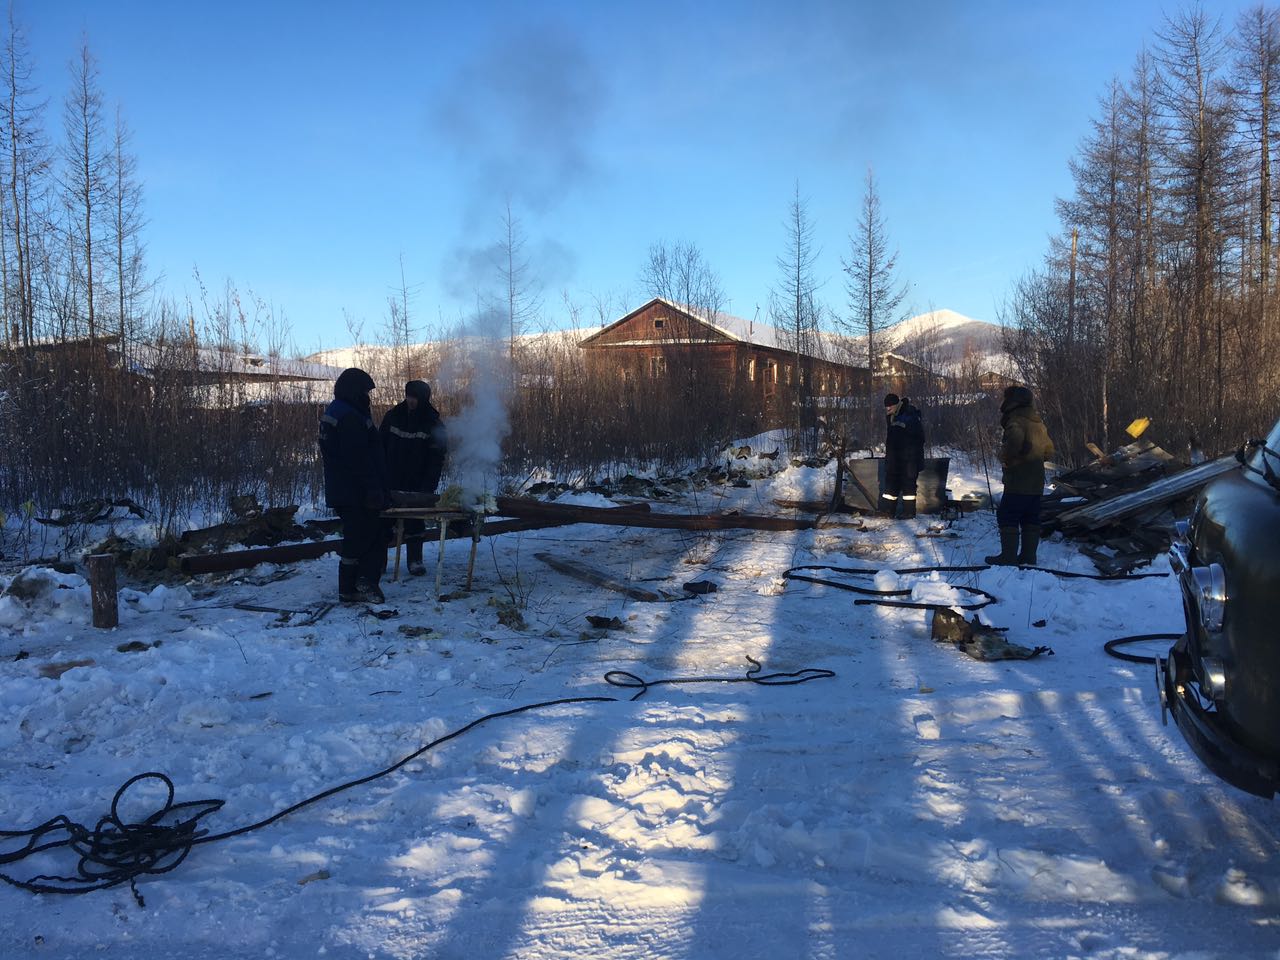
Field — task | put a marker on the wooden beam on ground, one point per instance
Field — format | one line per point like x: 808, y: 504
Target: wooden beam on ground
x: 620, y: 517
x: 195, y: 563
x: 580, y: 571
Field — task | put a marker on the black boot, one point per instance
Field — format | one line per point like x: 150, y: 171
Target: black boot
x: 908, y: 508
x: 413, y: 553
x: 368, y: 592
x: 347, y: 582
x: 1008, y: 555
x: 1030, y: 541
x: 888, y: 506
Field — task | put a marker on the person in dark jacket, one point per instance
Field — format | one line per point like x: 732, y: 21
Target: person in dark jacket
x: 903, y: 456
x: 1023, y: 450
x: 355, y: 485
x: 413, y: 437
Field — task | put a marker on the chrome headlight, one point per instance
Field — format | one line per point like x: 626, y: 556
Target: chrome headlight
x: 1213, y: 678
x: 1210, y: 585
x: 1182, y: 531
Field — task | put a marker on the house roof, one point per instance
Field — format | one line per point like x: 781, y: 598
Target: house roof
x: 726, y: 324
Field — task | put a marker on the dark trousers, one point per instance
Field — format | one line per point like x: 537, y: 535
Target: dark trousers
x: 363, y: 553
x: 415, y: 529
x: 900, y: 477
x: 1018, y: 510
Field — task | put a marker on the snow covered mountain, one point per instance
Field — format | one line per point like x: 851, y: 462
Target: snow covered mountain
x: 380, y: 355
x: 947, y: 342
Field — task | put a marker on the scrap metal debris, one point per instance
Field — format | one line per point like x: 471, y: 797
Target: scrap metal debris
x: 700, y: 587
x: 91, y: 511
x: 978, y: 640
x: 1118, y: 504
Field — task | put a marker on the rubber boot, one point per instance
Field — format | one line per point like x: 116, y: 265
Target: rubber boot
x: 1008, y: 555
x: 1030, y: 541
x: 908, y: 508
x: 887, y: 507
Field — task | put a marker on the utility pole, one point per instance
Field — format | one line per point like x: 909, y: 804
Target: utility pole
x: 1071, y: 290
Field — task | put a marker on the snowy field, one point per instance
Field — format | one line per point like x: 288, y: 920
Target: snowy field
x: 919, y: 804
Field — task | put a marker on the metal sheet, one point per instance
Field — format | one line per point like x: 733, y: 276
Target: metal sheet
x: 1096, y: 515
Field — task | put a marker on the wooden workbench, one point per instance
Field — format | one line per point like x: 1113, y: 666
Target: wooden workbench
x: 441, y: 518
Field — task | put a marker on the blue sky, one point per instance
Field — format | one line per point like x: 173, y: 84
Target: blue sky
x: 304, y: 151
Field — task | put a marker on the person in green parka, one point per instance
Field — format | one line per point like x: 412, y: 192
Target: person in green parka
x: 1023, y: 450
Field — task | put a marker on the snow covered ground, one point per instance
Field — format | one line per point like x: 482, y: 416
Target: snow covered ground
x: 919, y: 804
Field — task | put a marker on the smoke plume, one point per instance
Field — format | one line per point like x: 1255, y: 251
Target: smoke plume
x: 477, y: 371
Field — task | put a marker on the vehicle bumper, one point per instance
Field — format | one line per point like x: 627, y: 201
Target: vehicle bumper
x: 1206, y: 734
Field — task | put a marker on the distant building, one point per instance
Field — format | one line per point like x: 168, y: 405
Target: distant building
x: 216, y: 376
x: 993, y: 381
x: 660, y: 339
x: 897, y: 374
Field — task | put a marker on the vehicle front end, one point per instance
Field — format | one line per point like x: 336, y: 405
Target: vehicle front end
x: 1221, y: 680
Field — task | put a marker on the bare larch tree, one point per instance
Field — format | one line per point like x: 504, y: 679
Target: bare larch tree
x: 793, y: 306
x: 87, y: 159
x: 875, y: 292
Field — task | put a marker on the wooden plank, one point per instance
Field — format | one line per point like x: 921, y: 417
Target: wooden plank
x: 1097, y: 452
x: 581, y: 571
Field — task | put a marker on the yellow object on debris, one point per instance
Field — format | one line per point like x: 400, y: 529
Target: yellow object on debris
x: 1138, y: 427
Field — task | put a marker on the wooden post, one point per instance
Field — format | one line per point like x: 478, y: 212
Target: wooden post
x: 837, y: 498
x: 1071, y: 290
x: 399, y: 540
x: 102, y: 586
x: 444, y: 532
x: 477, y: 524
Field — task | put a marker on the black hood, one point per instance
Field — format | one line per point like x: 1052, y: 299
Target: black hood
x: 353, y: 386
x: 420, y: 390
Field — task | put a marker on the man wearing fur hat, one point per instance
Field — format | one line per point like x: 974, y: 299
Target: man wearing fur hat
x: 414, y: 439
x: 1023, y: 451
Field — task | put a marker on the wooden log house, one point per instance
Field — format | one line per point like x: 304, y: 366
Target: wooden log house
x: 662, y: 339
